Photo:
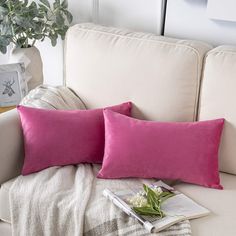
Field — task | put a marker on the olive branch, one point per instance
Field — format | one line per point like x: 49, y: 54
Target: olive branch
x: 23, y: 23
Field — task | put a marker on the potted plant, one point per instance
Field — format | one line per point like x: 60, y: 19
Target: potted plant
x: 23, y: 24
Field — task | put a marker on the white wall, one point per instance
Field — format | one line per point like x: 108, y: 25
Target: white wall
x: 188, y: 19
x: 52, y: 58
x: 140, y: 15
x: 3, y: 58
x: 185, y: 19
x: 134, y: 14
x: 82, y: 10
x: 222, y: 10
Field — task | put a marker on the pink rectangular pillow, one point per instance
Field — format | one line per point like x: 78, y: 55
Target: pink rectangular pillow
x: 186, y: 151
x: 58, y: 137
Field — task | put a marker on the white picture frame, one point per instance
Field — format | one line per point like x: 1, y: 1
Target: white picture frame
x: 13, y: 85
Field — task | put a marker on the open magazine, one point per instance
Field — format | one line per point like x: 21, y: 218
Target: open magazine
x: 176, y: 208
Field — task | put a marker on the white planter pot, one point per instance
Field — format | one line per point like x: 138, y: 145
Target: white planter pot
x: 33, y: 64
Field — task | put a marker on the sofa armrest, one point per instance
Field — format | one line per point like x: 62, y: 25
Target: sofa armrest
x: 11, y: 145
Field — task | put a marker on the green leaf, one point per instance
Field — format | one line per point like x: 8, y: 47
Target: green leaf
x: 3, y: 11
x: 21, y: 42
x: 59, y: 19
x: 152, y: 197
x: 146, y: 211
x: 33, y: 10
x: 64, y: 4
x: 25, y: 3
x: 23, y: 22
x: 165, y: 195
x: 43, y: 8
x: 56, y: 5
x: 5, y: 29
x: 38, y: 36
x: 53, y: 41
x: 45, y: 2
x: 3, y: 49
x: 4, y: 41
x: 68, y: 16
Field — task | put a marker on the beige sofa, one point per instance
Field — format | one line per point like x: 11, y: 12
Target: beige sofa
x: 167, y: 80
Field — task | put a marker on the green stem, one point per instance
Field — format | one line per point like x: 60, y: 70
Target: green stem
x: 34, y: 42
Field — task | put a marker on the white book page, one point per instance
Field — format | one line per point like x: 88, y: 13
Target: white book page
x: 181, y: 205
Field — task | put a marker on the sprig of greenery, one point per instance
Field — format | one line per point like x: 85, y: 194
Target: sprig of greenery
x: 154, y: 201
x: 23, y: 23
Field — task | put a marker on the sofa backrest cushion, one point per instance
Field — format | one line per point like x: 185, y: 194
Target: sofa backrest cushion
x: 218, y: 99
x: 159, y: 75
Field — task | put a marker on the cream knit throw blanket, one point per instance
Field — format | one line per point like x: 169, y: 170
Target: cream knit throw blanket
x: 68, y: 201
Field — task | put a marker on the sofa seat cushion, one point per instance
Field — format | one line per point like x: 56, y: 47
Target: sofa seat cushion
x: 4, y: 201
x: 5, y: 229
x: 221, y: 203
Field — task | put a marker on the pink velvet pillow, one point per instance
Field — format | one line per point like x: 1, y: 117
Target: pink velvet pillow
x: 56, y: 137
x: 185, y: 151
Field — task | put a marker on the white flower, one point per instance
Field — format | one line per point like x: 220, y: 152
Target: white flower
x: 138, y: 200
x: 157, y: 190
